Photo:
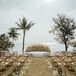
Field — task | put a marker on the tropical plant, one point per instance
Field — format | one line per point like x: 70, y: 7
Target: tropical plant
x: 5, y: 43
x: 24, y: 26
x: 64, y: 29
x: 13, y: 34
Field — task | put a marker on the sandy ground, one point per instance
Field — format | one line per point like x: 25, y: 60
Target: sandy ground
x: 38, y: 67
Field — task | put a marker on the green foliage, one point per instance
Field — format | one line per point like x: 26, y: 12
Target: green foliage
x: 13, y: 33
x: 5, y: 43
x: 24, y: 26
x: 64, y: 29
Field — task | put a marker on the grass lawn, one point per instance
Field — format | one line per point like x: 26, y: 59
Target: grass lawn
x: 38, y: 67
x: 8, y: 71
x: 68, y: 73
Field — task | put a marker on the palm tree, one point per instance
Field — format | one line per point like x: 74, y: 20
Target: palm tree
x: 24, y: 26
x: 13, y: 34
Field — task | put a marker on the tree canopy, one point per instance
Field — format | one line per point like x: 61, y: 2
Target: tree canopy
x: 5, y: 43
x: 13, y: 33
x: 64, y: 28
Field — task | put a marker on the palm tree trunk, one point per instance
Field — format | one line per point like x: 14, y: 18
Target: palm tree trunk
x: 23, y: 42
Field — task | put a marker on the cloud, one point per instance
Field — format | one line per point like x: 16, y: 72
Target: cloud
x: 72, y: 13
x: 37, y: 11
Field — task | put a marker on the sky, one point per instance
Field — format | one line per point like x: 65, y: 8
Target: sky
x: 40, y: 12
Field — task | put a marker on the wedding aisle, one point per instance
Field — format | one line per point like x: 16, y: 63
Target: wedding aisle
x: 38, y: 67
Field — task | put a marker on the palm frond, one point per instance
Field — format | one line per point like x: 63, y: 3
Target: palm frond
x: 24, y: 22
x: 19, y: 25
x: 18, y: 28
x: 13, y: 33
x: 29, y: 25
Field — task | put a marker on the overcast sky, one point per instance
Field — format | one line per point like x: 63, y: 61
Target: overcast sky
x: 40, y: 12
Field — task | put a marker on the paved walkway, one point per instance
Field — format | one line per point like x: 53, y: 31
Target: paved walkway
x: 38, y: 67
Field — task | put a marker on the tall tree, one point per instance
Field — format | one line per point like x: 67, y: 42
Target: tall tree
x: 24, y: 26
x: 5, y: 43
x: 64, y: 28
x: 13, y: 34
